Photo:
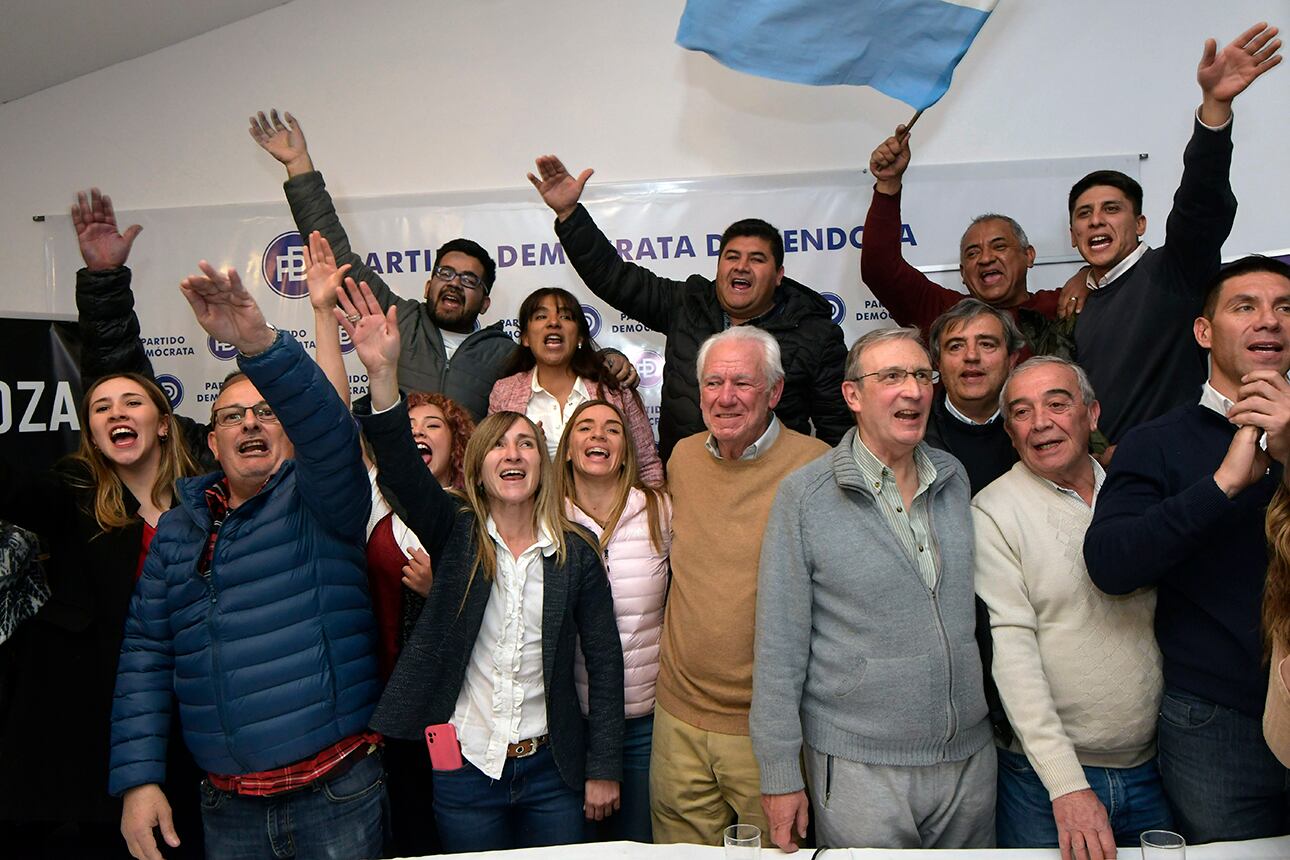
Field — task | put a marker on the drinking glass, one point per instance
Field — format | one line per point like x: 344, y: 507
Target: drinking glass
x: 1162, y: 845
x: 743, y: 842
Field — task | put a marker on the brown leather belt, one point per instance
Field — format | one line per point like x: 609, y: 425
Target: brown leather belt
x: 527, y: 747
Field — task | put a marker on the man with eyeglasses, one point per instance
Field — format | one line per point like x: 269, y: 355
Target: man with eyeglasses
x: 866, y: 667
x: 442, y: 350
x: 253, y: 613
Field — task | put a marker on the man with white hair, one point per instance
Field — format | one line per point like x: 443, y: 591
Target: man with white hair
x: 1078, y: 670
x: 702, y: 773
x: 866, y: 663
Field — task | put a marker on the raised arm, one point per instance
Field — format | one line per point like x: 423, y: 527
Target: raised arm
x: 634, y: 290
x: 1224, y: 75
x: 311, y: 206
x: 329, y: 465
x: 908, y: 295
x: 104, y: 301
x: 325, y: 279
x: 1204, y: 206
x: 429, y: 510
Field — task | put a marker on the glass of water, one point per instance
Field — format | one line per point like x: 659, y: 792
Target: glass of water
x: 743, y: 842
x: 1162, y: 845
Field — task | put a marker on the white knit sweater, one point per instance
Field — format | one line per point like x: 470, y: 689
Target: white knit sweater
x: 1078, y: 670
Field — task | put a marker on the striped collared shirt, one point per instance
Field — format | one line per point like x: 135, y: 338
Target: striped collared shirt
x: 912, y: 528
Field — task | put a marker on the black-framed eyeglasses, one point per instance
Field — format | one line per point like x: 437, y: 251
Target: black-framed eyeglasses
x: 233, y: 416
x: 897, y: 375
x: 469, y: 280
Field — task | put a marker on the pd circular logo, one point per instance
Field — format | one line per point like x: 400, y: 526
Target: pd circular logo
x: 593, y: 319
x: 172, y: 387
x: 221, y: 350
x: 837, y: 307
x: 283, y: 266
x: 649, y: 365
x: 346, y: 344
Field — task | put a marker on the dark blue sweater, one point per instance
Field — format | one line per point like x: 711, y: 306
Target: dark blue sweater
x: 1161, y: 520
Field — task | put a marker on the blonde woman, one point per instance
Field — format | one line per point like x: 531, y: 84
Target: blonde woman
x: 490, y: 663
x: 598, y: 476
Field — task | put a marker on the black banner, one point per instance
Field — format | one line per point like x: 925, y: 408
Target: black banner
x: 40, y: 390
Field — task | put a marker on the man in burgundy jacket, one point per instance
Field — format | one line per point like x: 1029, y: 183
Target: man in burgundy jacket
x: 994, y: 257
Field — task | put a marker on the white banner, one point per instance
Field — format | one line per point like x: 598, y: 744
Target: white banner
x: 671, y: 227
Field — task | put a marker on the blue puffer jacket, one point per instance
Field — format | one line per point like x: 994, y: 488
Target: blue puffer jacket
x: 272, y: 656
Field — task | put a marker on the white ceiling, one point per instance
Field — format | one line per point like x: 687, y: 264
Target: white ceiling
x: 48, y: 42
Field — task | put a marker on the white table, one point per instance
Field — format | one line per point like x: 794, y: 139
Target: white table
x: 1257, y: 849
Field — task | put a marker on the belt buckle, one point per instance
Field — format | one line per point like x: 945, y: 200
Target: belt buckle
x: 526, y: 748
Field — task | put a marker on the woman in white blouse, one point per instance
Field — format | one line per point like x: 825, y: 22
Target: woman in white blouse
x: 490, y: 663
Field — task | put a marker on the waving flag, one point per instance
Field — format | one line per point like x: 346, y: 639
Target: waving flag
x: 905, y: 48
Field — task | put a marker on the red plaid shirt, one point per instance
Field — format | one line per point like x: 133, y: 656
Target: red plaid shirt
x: 282, y: 779
x: 293, y: 776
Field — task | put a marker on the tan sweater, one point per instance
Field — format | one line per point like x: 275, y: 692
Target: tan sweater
x: 719, y: 511
x: 1276, y: 714
x: 1078, y: 670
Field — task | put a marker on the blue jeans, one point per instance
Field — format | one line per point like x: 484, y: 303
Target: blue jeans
x: 1133, y: 796
x: 632, y: 820
x: 1222, y: 780
x: 530, y: 805
x: 343, y: 817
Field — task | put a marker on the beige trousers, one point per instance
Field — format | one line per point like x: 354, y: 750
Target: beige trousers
x: 701, y: 782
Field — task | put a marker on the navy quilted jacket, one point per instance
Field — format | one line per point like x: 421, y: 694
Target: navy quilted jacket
x: 272, y: 656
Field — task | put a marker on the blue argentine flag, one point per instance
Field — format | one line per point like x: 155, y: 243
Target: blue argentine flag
x: 905, y: 48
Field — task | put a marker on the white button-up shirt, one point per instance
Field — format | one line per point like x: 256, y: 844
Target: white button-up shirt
x: 545, y: 409
x: 502, y: 699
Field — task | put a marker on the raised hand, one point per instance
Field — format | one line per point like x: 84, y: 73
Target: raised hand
x: 1224, y: 75
x: 322, y: 275
x: 887, y: 163
x: 103, y: 246
x: 226, y: 310
x: 557, y: 186
x: 376, y: 339
x: 284, y: 141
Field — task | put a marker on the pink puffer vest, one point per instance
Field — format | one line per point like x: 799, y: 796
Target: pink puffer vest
x: 638, y: 577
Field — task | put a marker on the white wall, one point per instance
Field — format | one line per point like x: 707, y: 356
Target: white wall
x: 413, y: 95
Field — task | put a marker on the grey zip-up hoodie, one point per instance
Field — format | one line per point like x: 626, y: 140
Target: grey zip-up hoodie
x: 855, y: 655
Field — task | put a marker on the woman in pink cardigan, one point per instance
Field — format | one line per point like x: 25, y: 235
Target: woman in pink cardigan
x: 558, y: 368
x: 597, y: 477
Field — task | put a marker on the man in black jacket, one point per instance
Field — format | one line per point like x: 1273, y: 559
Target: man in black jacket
x: 750, y: 288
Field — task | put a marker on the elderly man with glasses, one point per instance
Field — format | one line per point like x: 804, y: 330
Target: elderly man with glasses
x: 865, y: 665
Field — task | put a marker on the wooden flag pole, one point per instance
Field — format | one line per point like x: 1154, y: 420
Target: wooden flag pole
x: 909, y: 125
